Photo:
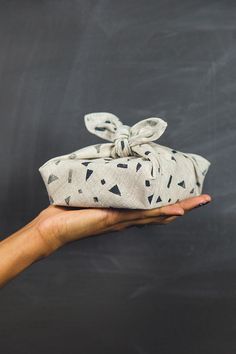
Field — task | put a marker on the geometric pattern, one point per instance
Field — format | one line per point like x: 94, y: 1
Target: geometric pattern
x: 92, y: 176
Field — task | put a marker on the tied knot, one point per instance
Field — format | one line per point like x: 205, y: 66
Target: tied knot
x: 122, y: 146
x: 127, y: 141
x: 123, y: 137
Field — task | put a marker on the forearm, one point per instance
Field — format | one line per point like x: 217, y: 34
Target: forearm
x: 21, y: 249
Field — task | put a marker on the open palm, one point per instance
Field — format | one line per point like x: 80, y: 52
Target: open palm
x: 70, y: 224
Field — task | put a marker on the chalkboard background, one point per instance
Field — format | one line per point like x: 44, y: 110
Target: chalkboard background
x: 165, y: 289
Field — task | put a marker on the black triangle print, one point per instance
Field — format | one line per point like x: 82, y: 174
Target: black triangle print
x: 192, y: 191
x: 138, y: 166
x: 147, y: 152
x: 51, y: 199
x: 86, y: 163
x: 152, y: 171
x: 169, y: 182
x: 122, y: 165
x: 182, y: 184
x: 88, y: 174
x: 72, y: 156
x: 70, y: 176
x: 98, y: 147
x: 67, y: 200
x: 172, y: 158
x: 150, y: 198
x: 52, y: 178
x: 115, y: 190
x: 101, y: 129
x: 158, y: 199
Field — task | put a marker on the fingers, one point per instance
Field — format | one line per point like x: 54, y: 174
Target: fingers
x: 122, y: 215
x: 160, y: 220
x: 116, y: 216
x: 168, y: 210
x: 179, y: 208
x: 191, y: 203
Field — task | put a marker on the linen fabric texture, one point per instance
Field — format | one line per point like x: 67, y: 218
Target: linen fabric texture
x: 129, y: 172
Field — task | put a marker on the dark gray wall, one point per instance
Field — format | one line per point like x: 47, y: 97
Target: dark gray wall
x: 165, y: 289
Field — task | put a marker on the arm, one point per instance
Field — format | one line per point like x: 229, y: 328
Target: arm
x: 20, y: 250
x: 56, y: 226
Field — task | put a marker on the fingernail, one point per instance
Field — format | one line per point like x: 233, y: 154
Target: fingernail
x: 181, y: 212
x: 201, y: 204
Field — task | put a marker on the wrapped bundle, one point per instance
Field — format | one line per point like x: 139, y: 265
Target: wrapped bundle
x: 129, y: 172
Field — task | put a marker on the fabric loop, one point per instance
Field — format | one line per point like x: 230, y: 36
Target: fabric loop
x: 109, y: 127
x: 121, y: 143
x: 127, y: 141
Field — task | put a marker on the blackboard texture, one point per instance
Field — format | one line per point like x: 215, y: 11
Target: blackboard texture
x: 166, y: 289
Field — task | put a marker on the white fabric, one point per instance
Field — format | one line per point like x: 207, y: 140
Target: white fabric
x: 130, y: 172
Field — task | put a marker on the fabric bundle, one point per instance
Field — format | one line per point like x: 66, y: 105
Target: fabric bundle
x: 129, y: 172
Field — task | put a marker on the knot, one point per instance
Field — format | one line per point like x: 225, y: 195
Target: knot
x: 125, y: 139
x: 121, y: 142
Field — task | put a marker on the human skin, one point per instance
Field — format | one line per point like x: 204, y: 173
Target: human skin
x: 56, y: 226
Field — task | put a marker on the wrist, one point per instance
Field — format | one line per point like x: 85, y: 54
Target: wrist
x: 48, y: 236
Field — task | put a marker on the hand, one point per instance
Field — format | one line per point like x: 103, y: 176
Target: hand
x: 60, y: 225
x: 56, y: 226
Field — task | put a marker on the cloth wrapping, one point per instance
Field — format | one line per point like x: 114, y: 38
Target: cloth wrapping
x: 129, y: 172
